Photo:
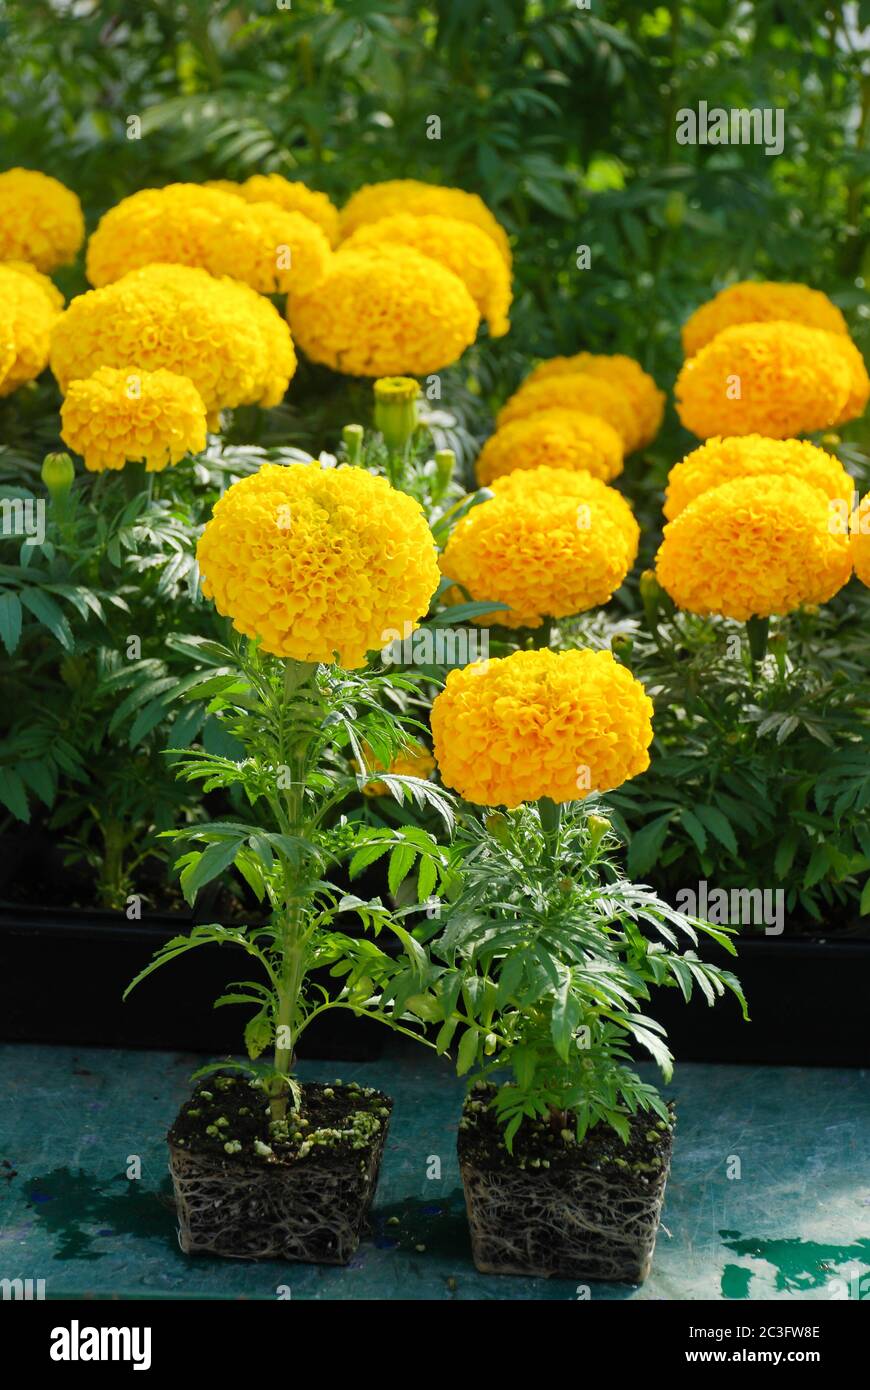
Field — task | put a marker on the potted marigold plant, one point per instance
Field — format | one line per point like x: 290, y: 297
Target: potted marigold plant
x: 548, y: 957
x: 313, y: 565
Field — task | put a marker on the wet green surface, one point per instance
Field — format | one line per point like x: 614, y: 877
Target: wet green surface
x: 769, y: 1196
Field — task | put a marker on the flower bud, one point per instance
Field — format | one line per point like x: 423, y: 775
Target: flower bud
x: 58, y: 473
x: 445, y: 462
x: 396, y: 409
x: 597, y: 827
x: 498, y: 826
x: 352, y: 438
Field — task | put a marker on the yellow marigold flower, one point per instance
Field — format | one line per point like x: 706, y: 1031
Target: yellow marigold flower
x: 541, y: 723
x: 7, y: 343
x: 265, y: 246
x: 231, y: 342
x: 860, y: 540
x: 413, y: 761
x: 384, y: 312
x: 638, y: 385
x: 753, y: 547
x: 293, y: 196
x: 129, y: 416
x: 748, y: 455
x: 40, y: 220
x: 760, y: 301
x: 228, y: 186
x: 322, y: 564
x: 376, y: 200
x: 776, y: 379
x: 859, y: 387
x: 460, y: 247
x: 31, y: 306
x: 554, y: 438
x: 550, y: 543
x: 576, y: 391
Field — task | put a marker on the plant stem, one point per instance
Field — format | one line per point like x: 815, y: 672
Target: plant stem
x: 757, y: 630
x: 292, y: 969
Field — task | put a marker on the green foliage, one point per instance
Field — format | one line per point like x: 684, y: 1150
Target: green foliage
x: 550, y: 954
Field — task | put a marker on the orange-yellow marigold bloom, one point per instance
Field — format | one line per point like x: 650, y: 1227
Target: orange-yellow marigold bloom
x: 553, y: 438
x: 760, y: 301
x: 648, y: 401
x: 754, y: 547
x: 129, y: 416
x: 460, y: 247
x: 322, y: 564
x: 576, y: 391
x: 859, y: 383
x: 859, y: 540
x: 260, y: 244
x: 40, y: 220
x: 231, y: 342
x: 749, y: 455
x: 775, y: 379
x: 376, y: 200
x: 549, y: 544
x: 541, y: 723
x: 293, y: 196
x: 384, y: 311
x: 31, y: 306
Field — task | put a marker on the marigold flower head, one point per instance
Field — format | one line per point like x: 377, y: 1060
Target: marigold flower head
x: 860, y: 540
x: 550, y: 543
x: 775, y: 379
x: 322, y: 564
x: 753, y: 547
x: 265, y: 246
x: 293, y: 196
x: 31, y: 306
x: 638, y: 385
x: 576, y: 391
x: 760, y: 301
x: 231, y: 342
x: 859, y: 384
x: 376, y: 200
x: 40, y: 220
x: 541, y: 723
x: 384, y: 311
x: 414, y: 761
x: 749, y: 455
x: 459, y: 246
x: 129, y: 416
x: 554, y: 438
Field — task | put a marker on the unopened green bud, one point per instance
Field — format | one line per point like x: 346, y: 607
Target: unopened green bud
x: 445, y: 462
x: 396, y: 409
x: 58, y: 473
x: 352, y: 437
x: 498, y: 826
x: 490, y: 1043
x: 597, y: 827
x: 621, y: 644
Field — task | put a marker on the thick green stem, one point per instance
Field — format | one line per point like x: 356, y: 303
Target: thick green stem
x: 292, y: 752
x: 757, y: 630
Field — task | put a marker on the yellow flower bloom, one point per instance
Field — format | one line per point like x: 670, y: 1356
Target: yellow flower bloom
x: 458, y: 246
x: 7, y: 343
x: 550, y: 543
x: 859, y: 387
x: 648, y: 401
x: 775, y: 379
x: 384, y: 311
x: 322, y: 564
x: 760, y: 301
x: 860, y: 540
x: 576, y: 391
x: 414, y: 761
x: 748, y: 455
x: 31, y: 307
x: 753, y: 547
x: 294, y: 196
x: 231, y: 343
x: 376, y: 200
x: 40, y: 220
x: 541, y: 723
x: 554, y: 438
x: 260, y: 244
x: 127, y: 416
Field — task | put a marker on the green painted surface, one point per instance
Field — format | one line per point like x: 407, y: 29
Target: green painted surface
x: 795, y: 1223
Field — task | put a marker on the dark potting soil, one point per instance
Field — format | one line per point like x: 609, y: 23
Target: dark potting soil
x: 228, y: 1118
x: 538, y: 1145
